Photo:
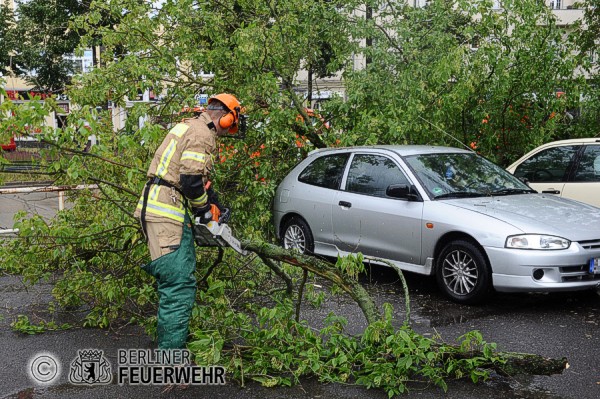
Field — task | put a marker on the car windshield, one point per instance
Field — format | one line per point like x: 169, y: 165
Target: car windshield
x: 462, y: 175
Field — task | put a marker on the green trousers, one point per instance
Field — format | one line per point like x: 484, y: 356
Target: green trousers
x: 174, y: 273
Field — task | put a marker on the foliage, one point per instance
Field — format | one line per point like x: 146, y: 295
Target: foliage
x: 24, y: 325
x: 588, y: 28
x: 457, y: 73
x: 283, y: 350
x: 586, y: 36
x: 41, y: 38
x: 7, y: 19
x: 423, y: 79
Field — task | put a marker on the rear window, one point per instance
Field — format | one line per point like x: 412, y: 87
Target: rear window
x: 589, y: 165
x: 325, y: 171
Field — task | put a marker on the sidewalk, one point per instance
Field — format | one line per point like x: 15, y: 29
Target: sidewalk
x: 44, y: 204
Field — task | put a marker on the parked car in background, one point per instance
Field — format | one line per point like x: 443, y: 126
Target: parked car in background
x: 439, y: 211
x: 566, y: 168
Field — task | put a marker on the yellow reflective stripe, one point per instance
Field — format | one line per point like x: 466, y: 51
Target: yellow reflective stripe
x: 160, y: 209
x: 165, y: 158
x: 193, y: 156
x: 200, y: 201
x: 179, y: 129
x: 155, y: 192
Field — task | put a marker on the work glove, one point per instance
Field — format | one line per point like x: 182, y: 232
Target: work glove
x: 213, y: 198
x: 204, y: 213
x: 225, y: 215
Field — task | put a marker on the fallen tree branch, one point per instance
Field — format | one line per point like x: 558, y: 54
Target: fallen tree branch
x: 521, y: 363
x: 279, y: 272
x: 512, y: 363
x: 526, y: 363
x: 212, y: 267
x: 321, y: 269
x: 300, y: 294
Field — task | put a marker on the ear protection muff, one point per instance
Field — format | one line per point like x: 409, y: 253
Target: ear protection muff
x: 227, y: 121
x: 230, y: 120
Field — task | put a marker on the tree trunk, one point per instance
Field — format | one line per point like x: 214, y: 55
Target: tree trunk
x: 525, y: 363
x: 522, y: 363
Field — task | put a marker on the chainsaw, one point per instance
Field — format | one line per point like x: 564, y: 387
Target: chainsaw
x: 216, y: 233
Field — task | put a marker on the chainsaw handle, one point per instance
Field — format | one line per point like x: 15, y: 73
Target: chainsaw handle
x: 225, y: 215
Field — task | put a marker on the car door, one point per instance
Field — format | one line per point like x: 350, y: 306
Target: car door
x: 547, y: 171
x: 366, y: 220
x: 584, y: 186
x: 313, y: 198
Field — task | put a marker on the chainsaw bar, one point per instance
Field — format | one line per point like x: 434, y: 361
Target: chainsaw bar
x: 214, y: 234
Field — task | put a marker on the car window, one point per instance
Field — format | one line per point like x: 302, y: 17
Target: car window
x: 325, y: 171
x: 589, y: 165
x: 373, y: 174
x: 454, y: 175
x: 550, y: 165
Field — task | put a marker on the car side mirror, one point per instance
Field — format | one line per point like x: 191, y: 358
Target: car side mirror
x: 402, y: 191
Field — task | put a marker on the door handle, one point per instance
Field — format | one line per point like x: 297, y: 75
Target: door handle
x: 550, y: 191
x: 345, y: 204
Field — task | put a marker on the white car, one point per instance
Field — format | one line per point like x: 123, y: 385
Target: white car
x: 566, y: 168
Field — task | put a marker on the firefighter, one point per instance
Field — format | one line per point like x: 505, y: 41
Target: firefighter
x: 177, y: 181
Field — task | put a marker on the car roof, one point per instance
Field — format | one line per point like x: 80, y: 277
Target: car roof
x: 589, y: 140
x: 573, y: 141
x: 402, y: 150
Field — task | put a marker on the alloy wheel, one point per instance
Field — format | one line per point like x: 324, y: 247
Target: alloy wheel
x: 294, y: 238
x: 460, y: 272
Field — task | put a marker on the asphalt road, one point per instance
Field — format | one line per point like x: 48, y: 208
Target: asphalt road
x: 552, y: 325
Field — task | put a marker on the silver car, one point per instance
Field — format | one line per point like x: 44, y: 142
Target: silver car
x: 439, y: 211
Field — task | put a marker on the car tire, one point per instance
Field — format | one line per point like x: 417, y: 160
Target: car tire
x: 297, y: 235
x: 463, y: 273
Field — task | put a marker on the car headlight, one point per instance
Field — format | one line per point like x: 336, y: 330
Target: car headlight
x: 536, y: 241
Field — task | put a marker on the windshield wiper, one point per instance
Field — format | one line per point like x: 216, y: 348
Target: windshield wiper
x: 510, y: 191
x: 460, y: 194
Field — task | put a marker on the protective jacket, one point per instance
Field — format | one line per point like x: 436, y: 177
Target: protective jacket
x: 183, y: 160
x: 177, y: 177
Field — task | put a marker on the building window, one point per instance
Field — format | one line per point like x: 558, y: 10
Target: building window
x: 82, y: 64
x: 555, y: 4
x: 593, y: 56
x: 475, y: 43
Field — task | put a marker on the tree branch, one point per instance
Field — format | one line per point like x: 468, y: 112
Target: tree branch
x: 321, y: 269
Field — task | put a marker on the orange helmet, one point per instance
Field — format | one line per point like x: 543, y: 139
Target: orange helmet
x: 230, y: 121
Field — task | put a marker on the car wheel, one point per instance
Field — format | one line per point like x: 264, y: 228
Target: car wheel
x: 297, y: 235
x: 463, y: 273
